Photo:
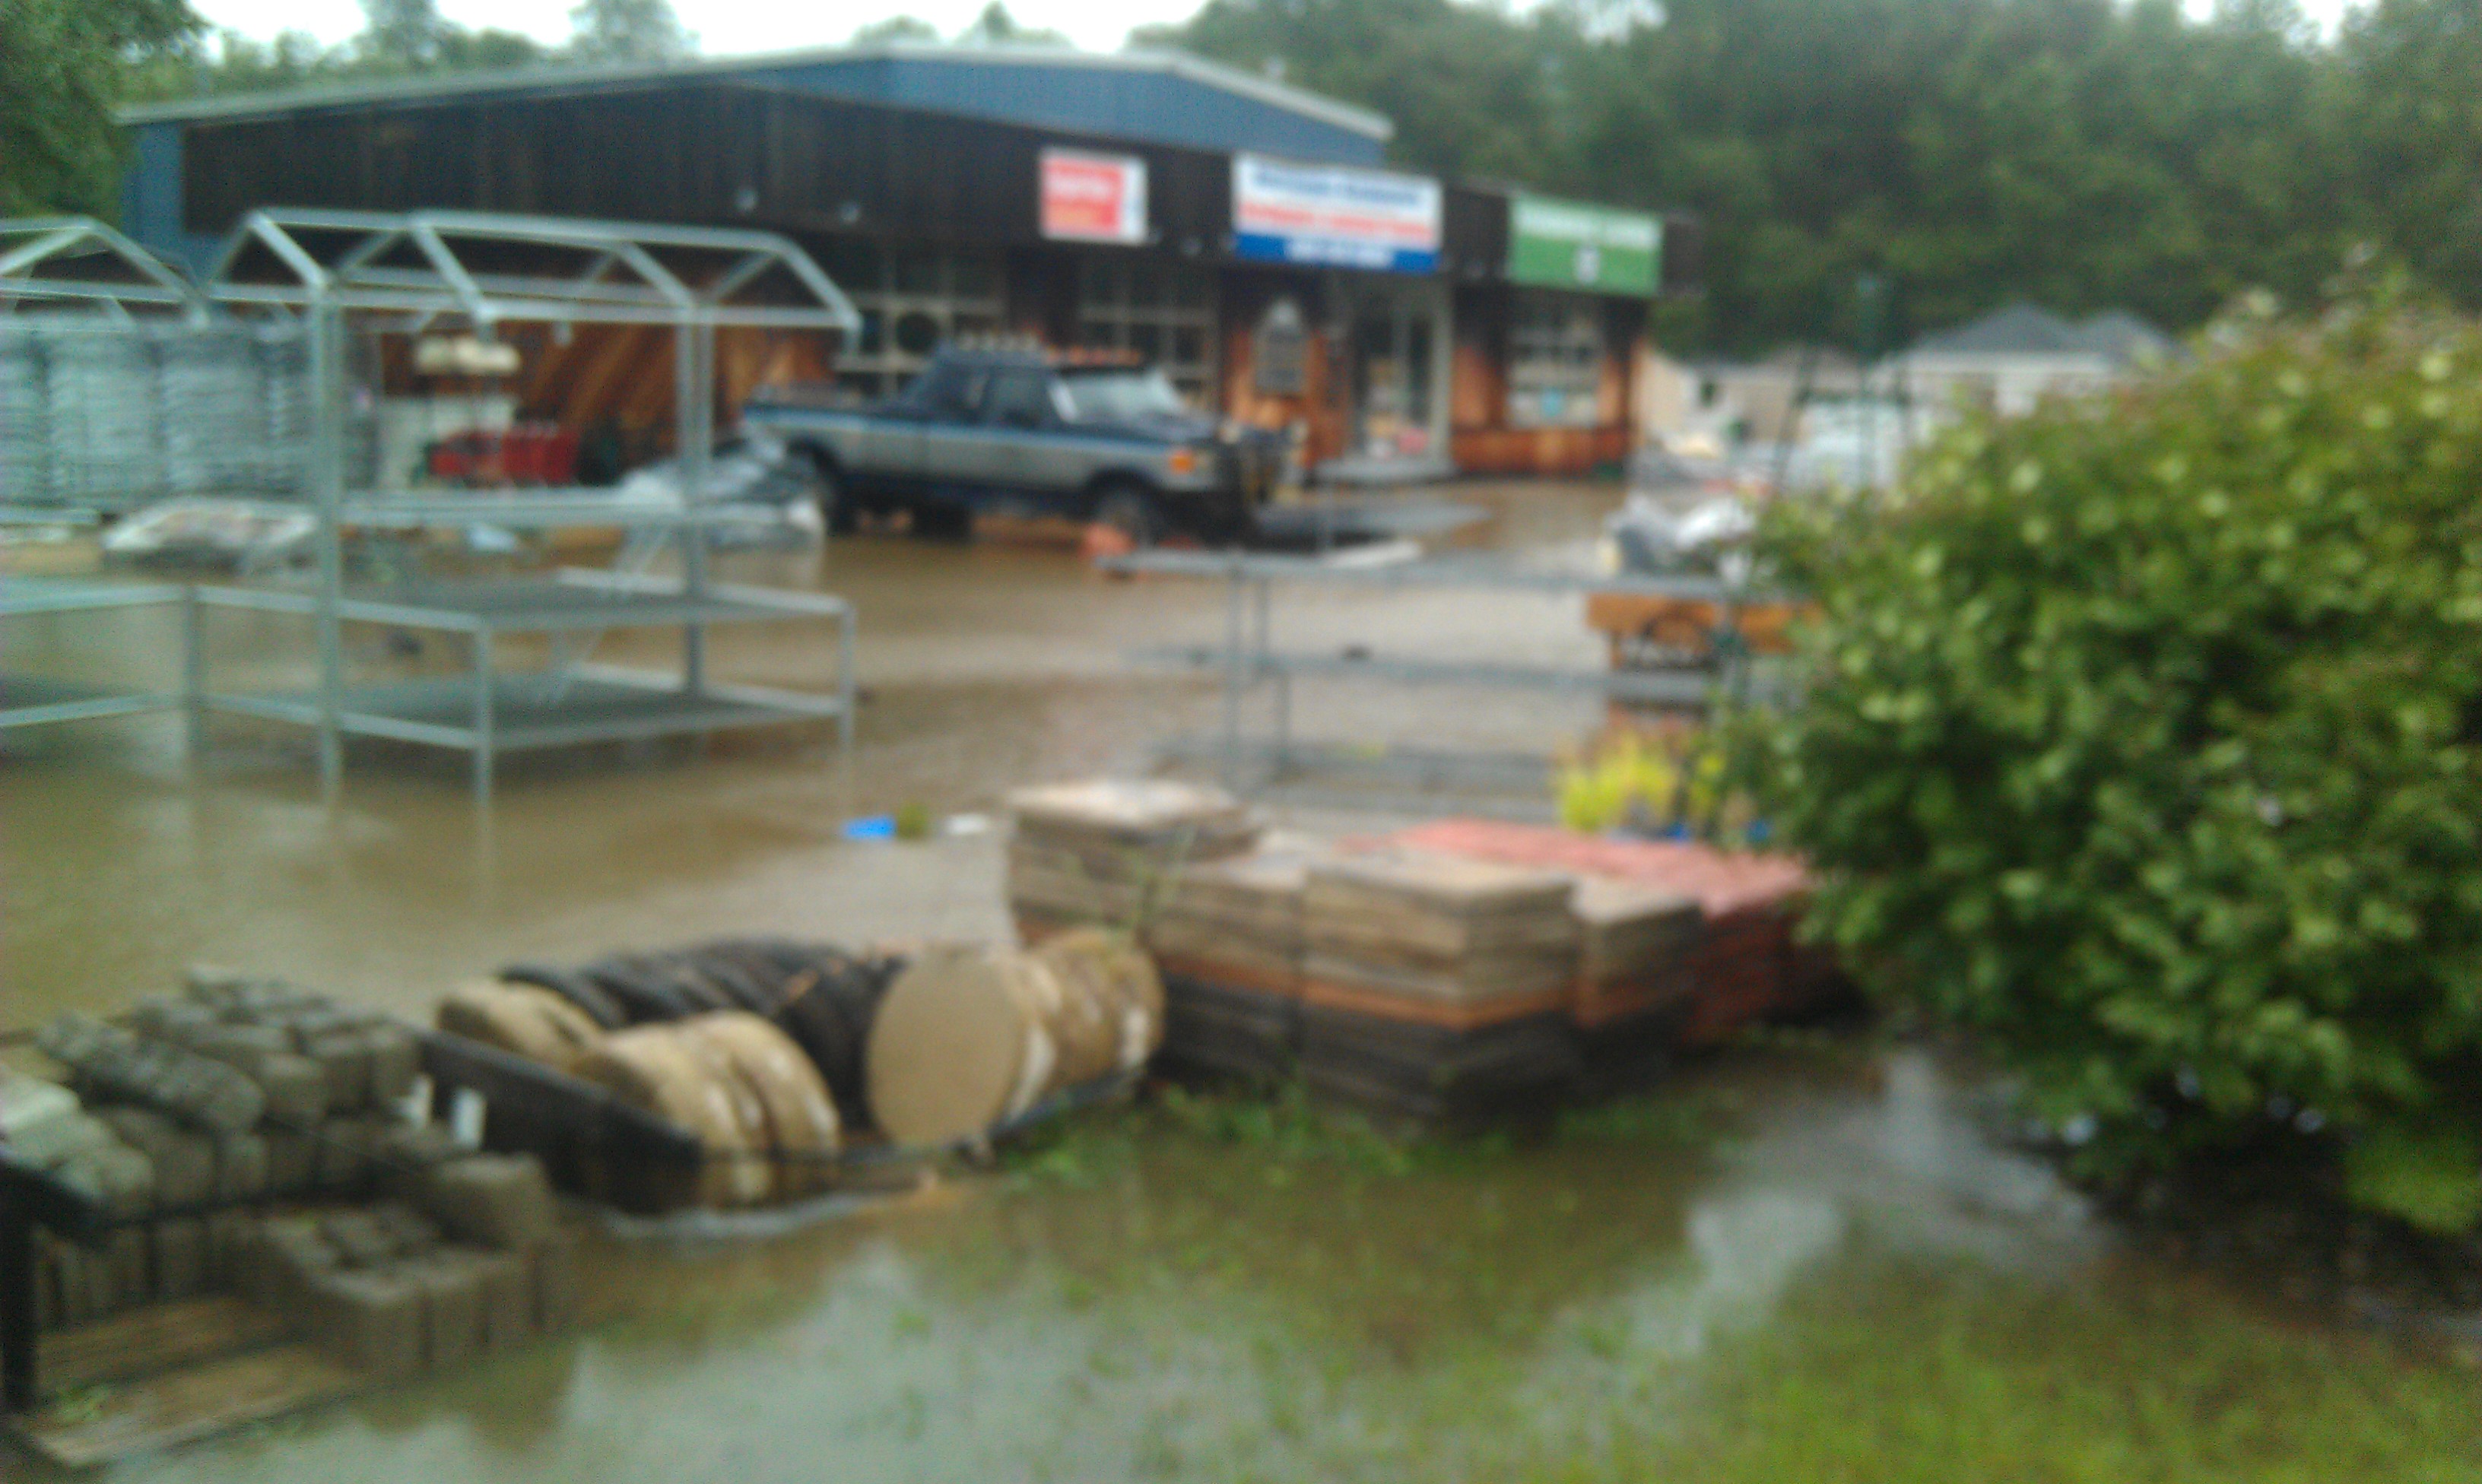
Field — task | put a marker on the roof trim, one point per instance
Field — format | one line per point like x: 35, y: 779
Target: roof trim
x: 395, y: 90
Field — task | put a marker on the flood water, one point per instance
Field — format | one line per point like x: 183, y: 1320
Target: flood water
x: 1153, y: 1292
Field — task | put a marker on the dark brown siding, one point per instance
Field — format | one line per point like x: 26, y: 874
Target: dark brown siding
x: 709, y: 153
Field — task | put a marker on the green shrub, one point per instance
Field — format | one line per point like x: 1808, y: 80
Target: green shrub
x: 2144, y: 740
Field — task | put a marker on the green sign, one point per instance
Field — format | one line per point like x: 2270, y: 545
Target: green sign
x: 1562, y: 245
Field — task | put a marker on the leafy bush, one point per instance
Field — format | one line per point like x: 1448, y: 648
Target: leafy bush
x: 2145, y: 741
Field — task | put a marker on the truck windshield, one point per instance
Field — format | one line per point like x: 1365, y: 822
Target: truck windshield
x: 1122, y: 396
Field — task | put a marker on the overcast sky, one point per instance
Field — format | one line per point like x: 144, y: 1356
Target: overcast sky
x: 722, y: 26
x: 727, y: 26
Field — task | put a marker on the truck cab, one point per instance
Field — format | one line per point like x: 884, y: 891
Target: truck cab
x: 1092, y: 438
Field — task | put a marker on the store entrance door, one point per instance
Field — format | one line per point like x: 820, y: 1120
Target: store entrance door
x: 1397, y: 338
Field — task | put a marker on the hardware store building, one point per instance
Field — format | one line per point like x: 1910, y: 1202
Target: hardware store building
x: 1244, y: 235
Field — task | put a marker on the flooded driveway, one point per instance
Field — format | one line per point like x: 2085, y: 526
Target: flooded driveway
x: 1794, y: 1264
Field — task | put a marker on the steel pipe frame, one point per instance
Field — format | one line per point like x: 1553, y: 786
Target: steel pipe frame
x: 325, y: 288
x: 1246, y: 656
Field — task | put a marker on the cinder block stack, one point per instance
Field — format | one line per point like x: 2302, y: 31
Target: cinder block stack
x: 474, y: 1263
x: 1227, y: 937
x: 205, y: 1106
x: 1436, y: 986
x: 1103, y: 852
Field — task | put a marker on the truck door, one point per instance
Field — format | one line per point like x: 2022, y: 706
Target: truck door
x: 1026, y: 450
x: 952, y: 434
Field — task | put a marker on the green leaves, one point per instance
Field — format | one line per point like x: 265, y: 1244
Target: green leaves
x: 2146, y: 742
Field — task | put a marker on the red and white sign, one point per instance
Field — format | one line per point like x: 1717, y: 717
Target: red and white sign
x: 1088, y: 198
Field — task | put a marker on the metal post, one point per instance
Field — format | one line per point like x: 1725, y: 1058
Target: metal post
x: 846, y: 685
x: 17, y: 1376
x: 1233, y: 659
x: 194, y: 671
x: 328, y: 486
x: 694, y: 431
x: 483, y: 717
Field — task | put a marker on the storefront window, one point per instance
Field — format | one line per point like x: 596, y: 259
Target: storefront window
x: 1555, y: 363
x: 1163, y: 312
x: 911, y: 300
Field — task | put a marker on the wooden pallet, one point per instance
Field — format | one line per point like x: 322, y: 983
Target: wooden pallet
x: 172, y: 1373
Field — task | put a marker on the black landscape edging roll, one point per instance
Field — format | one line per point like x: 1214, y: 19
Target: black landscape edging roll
x: 821, y: 995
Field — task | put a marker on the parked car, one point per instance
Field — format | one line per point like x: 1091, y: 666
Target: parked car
x: 1101, y: 440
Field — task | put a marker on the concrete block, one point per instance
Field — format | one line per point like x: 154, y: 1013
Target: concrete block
x: 452, y: 1305
x: 280, y: 1264
x: 556, y: 1285
x: 180, y: 1258
x: 508, y: 1284
x: 359, y: 1240
x: 372, y: 1320
x: 341, y: 1155
x: 241, y: 1167
x: 241, y: 1047
x: 409, y: 1231
x: 491, y: 1200
x: 345, y: 1058
x: 396, y: 1062
x: 184, y: 1163
x: 230, y: 1235
x: 133, y: 1275
x: 292, y: 1162
x: 294, y: 1086
x: 406, y: 1155
x: 120, y: 1177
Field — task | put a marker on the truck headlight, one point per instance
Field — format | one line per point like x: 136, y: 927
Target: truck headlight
x: 1181, y: 460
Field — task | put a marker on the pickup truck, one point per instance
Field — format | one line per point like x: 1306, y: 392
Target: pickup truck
x: 1027, y: 431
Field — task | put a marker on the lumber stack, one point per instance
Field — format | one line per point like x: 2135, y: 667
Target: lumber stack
x: 1744, y: 964
x: 1436, y: 986
x: 1229, y: 939
x: 1103, y: 851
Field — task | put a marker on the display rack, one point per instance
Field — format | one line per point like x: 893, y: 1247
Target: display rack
x: 34, y: 700
x: 1247, y: 659
x: 421, y: 272
x: 76, y: 263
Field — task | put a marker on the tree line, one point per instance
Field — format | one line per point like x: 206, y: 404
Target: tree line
x: 2084, y: 154
x: 1956, y: 154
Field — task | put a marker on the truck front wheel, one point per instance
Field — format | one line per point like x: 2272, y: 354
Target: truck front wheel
x: 838, y: 511
x: 1129, y: 507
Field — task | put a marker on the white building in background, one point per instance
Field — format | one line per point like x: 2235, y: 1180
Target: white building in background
x: 2012, y: 359
x: 1810, y: 415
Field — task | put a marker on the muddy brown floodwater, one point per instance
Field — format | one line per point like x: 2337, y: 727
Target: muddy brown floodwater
x: 1135, y: 1299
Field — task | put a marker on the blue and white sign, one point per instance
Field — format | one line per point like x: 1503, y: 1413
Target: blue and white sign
x: 1334, y: 216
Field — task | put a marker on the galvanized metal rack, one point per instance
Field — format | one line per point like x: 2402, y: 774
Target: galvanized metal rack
x: 421, y: 272
x: 1246, y: 658
x: 76, y: 263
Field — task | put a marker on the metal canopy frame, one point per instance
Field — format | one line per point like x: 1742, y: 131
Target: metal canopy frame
x: 422, y: 264
x: 414, y: 271
x: 34, y: 252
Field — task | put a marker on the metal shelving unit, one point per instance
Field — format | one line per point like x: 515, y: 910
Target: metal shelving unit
x: 414, y: 273
x: 35, y: 700
x: 71, y: 263
x: 1246, y: 658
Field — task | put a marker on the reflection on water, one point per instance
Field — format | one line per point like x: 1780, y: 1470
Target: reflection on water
x: 1189, y: 1309
x: 1180, y: 1308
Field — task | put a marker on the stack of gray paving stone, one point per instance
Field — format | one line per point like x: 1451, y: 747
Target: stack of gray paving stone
x: 210, y: 1107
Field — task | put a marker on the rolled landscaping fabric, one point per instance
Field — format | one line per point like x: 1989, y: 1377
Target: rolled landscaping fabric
x: 968, y: 1039
x: 802, y: 1130
x: 522, y: 1019
x: 649, y: 1067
